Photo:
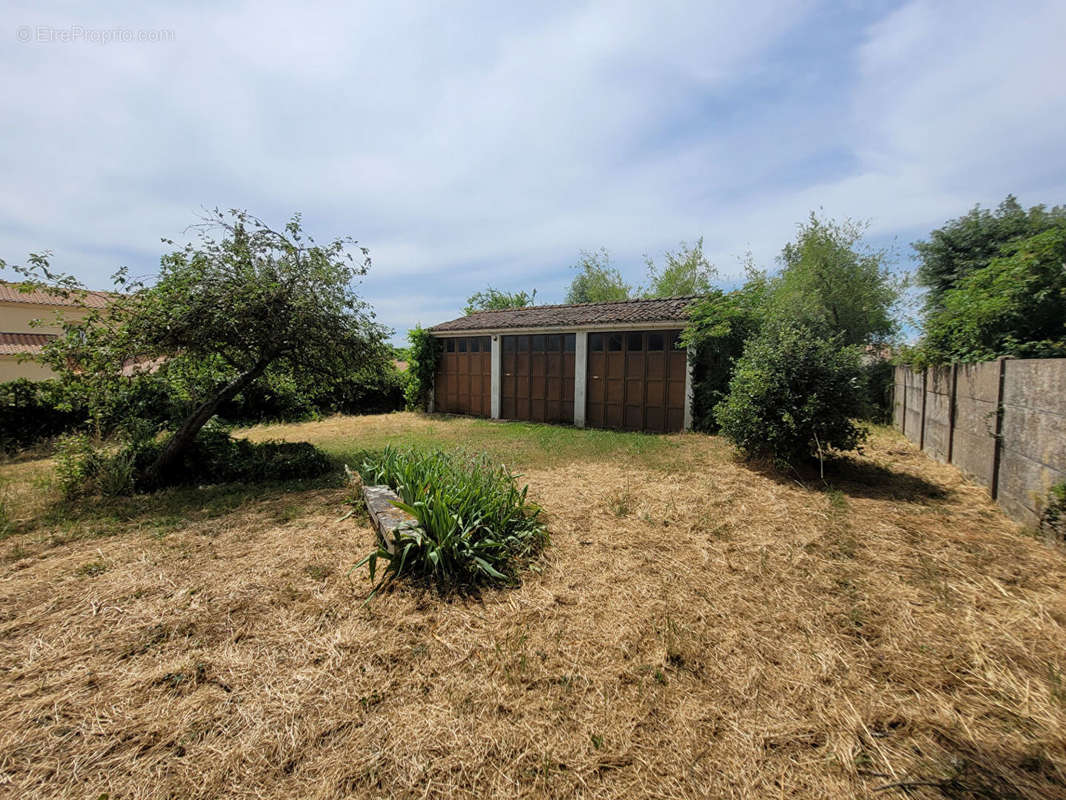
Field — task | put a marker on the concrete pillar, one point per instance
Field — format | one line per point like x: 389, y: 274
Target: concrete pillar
x: 581, y: 368
x: 495, y: 383
x: 690, y: 360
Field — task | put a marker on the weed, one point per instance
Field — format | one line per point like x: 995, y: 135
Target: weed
x: 317, y: 572
x: 91, y: 569
x: 622, y: 502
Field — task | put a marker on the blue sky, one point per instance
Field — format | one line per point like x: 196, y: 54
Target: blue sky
x: 485, y: 144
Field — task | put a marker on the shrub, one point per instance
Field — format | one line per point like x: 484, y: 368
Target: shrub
x: 879, y: 381
x: 794, y: 396
x: 217, y: 457
x: 474, y: 525
x: 719, y: 327
x: 32, y: 411
x: 83, y: 468
x: 422, y: 360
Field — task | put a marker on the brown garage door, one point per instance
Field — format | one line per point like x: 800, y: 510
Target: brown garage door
x: 636, y: 381
x: 538, y: 377
x: 464, y: 377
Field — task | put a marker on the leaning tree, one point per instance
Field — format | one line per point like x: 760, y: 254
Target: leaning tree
x: 242, y: 296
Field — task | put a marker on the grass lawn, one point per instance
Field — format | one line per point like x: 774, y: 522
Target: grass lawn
x: 699, y: 628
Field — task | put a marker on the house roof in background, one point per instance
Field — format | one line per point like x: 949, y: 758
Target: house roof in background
x: 17, y: 344
x: 11, y: 293
x: 636, y: 312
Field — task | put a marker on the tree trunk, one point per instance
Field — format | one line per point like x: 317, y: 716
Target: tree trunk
x: 186, y: 434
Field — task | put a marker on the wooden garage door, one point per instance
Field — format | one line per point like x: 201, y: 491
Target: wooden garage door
x: 636, y: 381
x: 464, y: 377
x: 537, y: 380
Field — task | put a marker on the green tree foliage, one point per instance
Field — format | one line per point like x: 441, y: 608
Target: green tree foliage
x: 794, y: 395
x: 493, y: 299
x: 969, y: 243
x: 597, y: 281
x: 686, y: 272
x: 719, y: 327
x: 244, y: 299
x: 423, y: 356
x: 833, y: 284
x: 1013, y: 306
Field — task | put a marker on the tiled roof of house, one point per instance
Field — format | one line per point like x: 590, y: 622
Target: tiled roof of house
x: 636, y: 312
x: 11, y: 293
x: 15, y: 344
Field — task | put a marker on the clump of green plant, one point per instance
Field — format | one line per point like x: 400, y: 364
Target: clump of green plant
x: 120, y: 468
x: 1053, y: 518
x: 472, y: 522
x: 794, y: 396
x: 423, y: 357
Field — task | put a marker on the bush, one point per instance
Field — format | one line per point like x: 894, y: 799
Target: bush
x: 719, y: 327
x: 422, y: 359
x: 879, y: 380
x: 32, y: 411
x: 474, y: 524
x: 84, y: 469
x: 794, y: 396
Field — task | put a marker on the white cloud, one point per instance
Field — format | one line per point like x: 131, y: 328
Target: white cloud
x: 485, y: 142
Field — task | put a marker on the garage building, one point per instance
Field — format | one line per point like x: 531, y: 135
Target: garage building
x: 614, y: 365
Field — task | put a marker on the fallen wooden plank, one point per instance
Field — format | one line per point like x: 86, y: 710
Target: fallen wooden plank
x: 385, y: 516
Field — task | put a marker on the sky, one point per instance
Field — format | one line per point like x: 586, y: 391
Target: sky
x: 469, y: 144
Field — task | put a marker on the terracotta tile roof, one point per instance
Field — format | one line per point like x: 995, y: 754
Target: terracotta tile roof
x: 636, y: 312
x: 16, y: 344
x: 10, y: 293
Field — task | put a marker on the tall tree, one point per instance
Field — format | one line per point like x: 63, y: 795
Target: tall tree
x: 243, y: 298
x: 1013, y: 306
x: 493, y: 299
x: 962, y: 246
x: 685, y: 272
x: 832, y: 283
x: 597, y: 281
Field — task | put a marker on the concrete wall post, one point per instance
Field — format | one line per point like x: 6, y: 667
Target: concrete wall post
x: 495, y: 382
x: 581, y: 369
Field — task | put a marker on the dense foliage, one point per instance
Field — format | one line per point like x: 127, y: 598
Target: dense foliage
x: 1015, y: 305
x: 719, y: 327
x: 830, y: 285
x: 242, y: 300
x: 120, y: 468
x: 423, y: 357
x: 964, y: 245
x: 474, y: 525
x: 493, y: 299
x: 36, y: 411
x: 833, y: 284
x: 32, y: 411
x: 686, y: 272
x: 794, y: 395
x: 597, y: 281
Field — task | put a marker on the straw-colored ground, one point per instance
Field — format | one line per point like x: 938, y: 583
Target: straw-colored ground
x: 699, y: 628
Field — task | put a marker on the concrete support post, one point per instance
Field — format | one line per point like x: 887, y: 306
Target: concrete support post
x: 952, y: 410
x: 925, y: 389
x: 690, y: 360
x: 581, y: 370
x: 997, y: 446
x: 495, y: 382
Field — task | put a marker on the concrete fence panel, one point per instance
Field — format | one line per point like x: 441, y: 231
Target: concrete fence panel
x: 1003, y: 423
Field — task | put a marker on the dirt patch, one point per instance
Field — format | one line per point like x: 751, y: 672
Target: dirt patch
x: 698, y: 628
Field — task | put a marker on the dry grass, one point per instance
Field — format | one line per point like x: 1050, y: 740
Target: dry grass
x: 699, y: 628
